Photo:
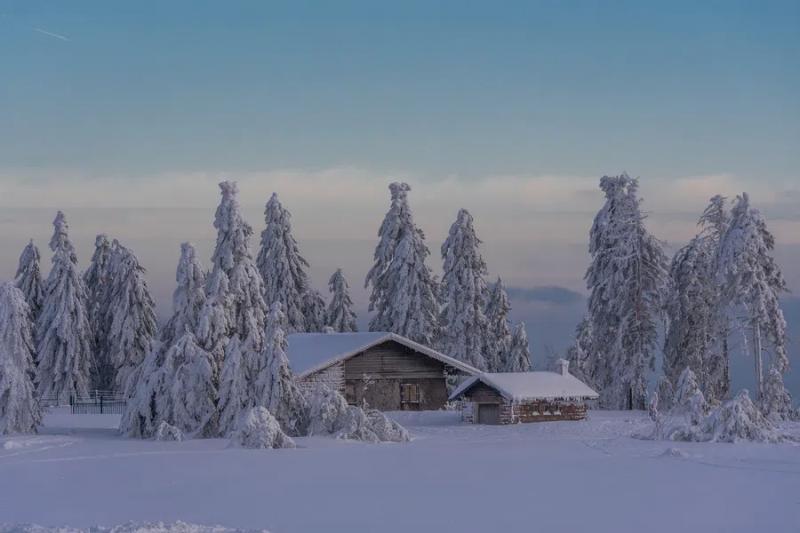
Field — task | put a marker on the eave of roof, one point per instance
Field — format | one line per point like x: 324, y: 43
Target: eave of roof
x: 486, y: 379
x: 455, y: 363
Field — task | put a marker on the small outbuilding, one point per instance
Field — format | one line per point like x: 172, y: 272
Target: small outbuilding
x: 384, y: 371
x: 509, y: 398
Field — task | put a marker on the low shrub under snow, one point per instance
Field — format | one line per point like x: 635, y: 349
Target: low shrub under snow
x: 329, y: 414
x: 259, y: 429
x: 168, y: 432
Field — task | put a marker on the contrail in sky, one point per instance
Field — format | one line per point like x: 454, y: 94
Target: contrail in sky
x: 51, y: 34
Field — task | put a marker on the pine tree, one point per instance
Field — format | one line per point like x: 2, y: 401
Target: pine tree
x: 188, y: 298
x: 62, y: 332
x: 282, y: 266
x: 234, y: 289
x: 753, y: 281
x: 19, y: 408
x: 29, y: 279
x: 404, y: 290
x: 235, y: 395
x: 275, y: 387
x: 340, y: 316
x: 627, y: 283
x: 150, y: 396
x: 194, y: 393
x: 463, y: 290
x: 96, y: 279
x: 579, y: 354
x: 314, y: 310
x: 519, y: 357
x: 130, y: 316
x: 697, y: 332
x: 498, y: 327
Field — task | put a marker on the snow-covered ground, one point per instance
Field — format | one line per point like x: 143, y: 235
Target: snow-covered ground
x: 557, y: 476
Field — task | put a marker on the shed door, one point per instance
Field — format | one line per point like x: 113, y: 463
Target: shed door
x: 488, y: 413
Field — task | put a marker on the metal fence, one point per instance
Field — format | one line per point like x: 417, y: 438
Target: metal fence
x: 98, y: 402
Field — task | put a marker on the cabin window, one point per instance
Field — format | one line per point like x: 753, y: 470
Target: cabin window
x: 409, y: 393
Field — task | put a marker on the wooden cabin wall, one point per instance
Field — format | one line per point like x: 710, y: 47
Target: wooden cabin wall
x: 376, y: 376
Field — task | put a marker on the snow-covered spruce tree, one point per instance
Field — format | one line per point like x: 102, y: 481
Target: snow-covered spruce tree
x: 498, y: 336
x: 579, y: 354
x: 130, y: 316
x: 275, y: 387
x: 28, y: 279
x: 150, y: 396
x: 194, y: 391
x: 62, y: 333
x: 519, y: 354
x: 96, y: 279
x: 688, y: 399
x: 235, y: 394
x: 340, y: 315
x: 752, y: 281
x: 282, y: 266
x: 234, y: 288
x: 314, y: 310
x: 19, y: 408
x: 463, y: 293
x: 188, y: 298
x: 697, y: 332
x: 404, y: 290
x: 626, y: 280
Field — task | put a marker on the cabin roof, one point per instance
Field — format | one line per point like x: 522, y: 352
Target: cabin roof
x: 520, y: 386
x: 309, y: 353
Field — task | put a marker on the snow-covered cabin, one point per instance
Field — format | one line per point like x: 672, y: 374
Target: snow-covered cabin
x: 511, y: 397
x: 383, y: 370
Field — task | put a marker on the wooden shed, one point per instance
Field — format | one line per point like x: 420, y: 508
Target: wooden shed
x: 384, y: 371
x: 509, y: 398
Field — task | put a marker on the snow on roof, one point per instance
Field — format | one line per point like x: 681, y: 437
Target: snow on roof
x: 521, y: 386
x: 311, y: 352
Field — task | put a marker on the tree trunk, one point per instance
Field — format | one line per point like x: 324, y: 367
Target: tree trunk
x: 757, y: 359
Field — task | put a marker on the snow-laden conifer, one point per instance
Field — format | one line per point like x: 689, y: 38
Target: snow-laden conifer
x: 28, y: 279
x: 194, y: 392
x: 519, y: 353
x: 234, y: 288
x: 19, y: 408
x: 314, y: 310
x: 149, y: 402
x: 404, y: 293
x: 688, y: 399
x: 96, y: 279
x: 235, y: 394
x: 626, y: 279
x: 498, y: 336
x: 188, y: 298
x: 130, y: 316
x: 579, y: 354
x: 282, y: 266
x: 463, y: 293
x: 275, y: 387
x: 752, y: 281
x: 63, y: 333
x: 340, y: 314
x: 697, y: 332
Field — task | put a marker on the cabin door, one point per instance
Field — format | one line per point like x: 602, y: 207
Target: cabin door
x: 488, y: 413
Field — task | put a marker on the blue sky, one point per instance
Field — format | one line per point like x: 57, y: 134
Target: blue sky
x: 464, y: 88
x: 121, y: 112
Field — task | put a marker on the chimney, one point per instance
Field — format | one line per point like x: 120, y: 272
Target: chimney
x: 563, y: 366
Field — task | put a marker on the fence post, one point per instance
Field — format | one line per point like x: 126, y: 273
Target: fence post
x: 101, y: 405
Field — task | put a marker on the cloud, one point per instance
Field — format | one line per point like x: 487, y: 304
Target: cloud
x: 515, y: 208
x: 552, y: 294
